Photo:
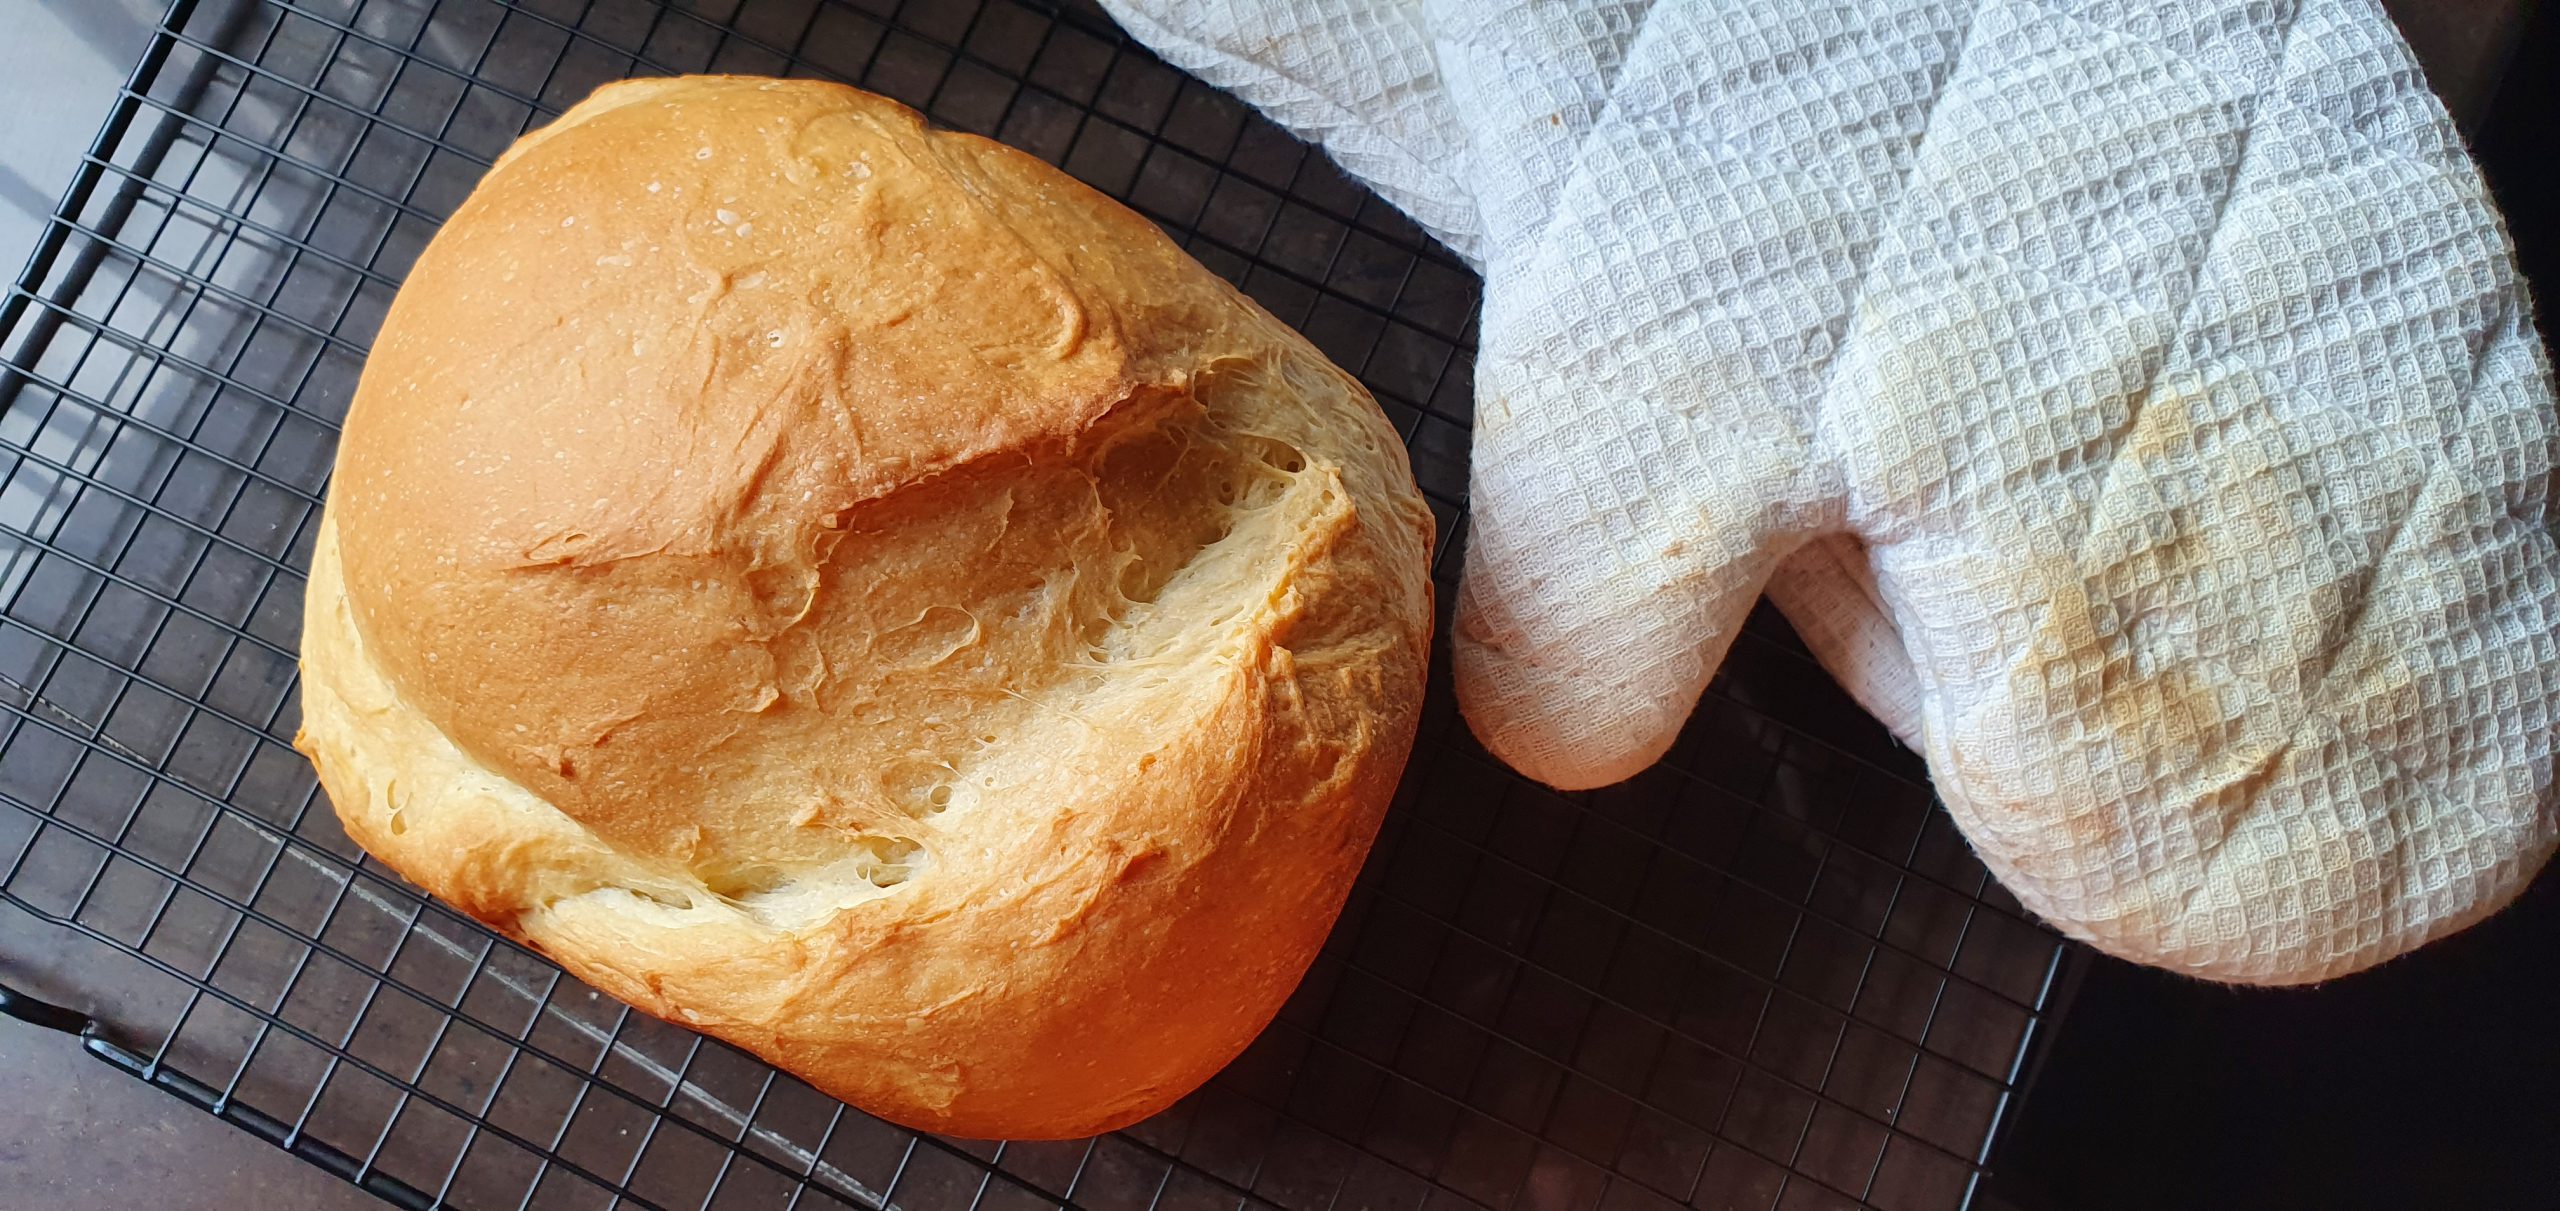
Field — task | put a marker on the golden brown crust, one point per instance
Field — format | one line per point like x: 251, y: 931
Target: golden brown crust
x: 852, y: 589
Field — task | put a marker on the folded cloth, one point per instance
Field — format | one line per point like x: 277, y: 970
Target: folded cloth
x: 2133, y: 401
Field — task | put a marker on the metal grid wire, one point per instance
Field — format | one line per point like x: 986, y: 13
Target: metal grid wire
x: 1766, y: 974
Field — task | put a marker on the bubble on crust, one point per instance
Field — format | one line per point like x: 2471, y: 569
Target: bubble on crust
x: 918, y: 788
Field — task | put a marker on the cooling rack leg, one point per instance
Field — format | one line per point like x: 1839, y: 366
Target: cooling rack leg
x: 28, y: 1009
x: 91, y: 1033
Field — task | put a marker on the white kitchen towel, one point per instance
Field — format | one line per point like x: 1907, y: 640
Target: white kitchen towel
x: 2134, y: 400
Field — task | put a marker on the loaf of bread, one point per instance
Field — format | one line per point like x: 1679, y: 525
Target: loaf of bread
x: 852, y: 590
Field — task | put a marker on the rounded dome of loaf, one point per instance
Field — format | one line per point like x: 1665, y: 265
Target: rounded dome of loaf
x: 852, y: 589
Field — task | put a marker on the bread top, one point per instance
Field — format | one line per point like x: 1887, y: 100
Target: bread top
x: 701, y: 399
x: 805, y: 570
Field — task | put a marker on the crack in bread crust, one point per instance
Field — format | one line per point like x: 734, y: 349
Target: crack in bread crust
x: 976, y: 698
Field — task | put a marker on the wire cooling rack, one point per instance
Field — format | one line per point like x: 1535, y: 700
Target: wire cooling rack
x: 1766, y: 974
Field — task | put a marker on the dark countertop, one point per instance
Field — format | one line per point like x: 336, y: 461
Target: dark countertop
x: 76, y: 1133
x: 2465, y: 45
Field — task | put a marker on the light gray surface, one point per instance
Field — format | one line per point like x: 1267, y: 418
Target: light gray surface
x: 62, y: 61
x: 74, y: 1131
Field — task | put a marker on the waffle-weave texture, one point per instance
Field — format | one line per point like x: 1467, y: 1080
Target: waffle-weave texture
x: 2133, y: 401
